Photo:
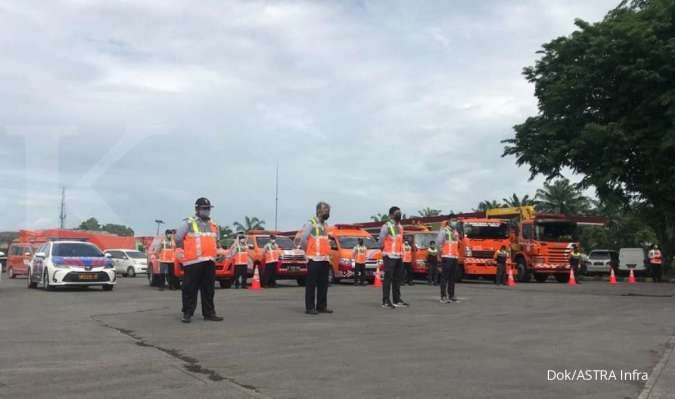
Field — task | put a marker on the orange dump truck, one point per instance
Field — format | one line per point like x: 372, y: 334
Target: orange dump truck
x: 479, y: 239
x: 342, y: 240
x: 102, y: 240
x: 543, y: 242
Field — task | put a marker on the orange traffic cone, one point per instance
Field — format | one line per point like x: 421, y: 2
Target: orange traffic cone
x: 572, y: 280
x: 255, y: 285
x: 510, y: 281
x: 378, y: 282
x: 631, y: 277
x: 612, y: 276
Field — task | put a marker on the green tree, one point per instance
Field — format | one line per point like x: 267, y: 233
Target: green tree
x: 90, y: 224
x: 561, y: 197
x: 515, y: 201
x: 606, y: 98
x: 250, y: 223
x: 485, y: 205
x: 118, y: 229
x: 380, y: 218
x: 429, y: 212
x: 226, y: 236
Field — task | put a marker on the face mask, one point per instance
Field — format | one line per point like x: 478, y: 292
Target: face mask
x: 397, y: 217
x: 325, y: 217
x: 204, y: 213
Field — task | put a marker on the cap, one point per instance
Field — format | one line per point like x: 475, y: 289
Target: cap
x: 203, y: 203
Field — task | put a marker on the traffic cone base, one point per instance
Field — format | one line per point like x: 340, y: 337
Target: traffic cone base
x: 631, y: 277
x: 378, y: 282
x: 612, y: 277
x: 255, y: 285
x: 572, y: 280
x: 511, y: 282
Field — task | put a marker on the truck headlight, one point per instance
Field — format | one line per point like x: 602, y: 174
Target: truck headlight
x: 468, y: 251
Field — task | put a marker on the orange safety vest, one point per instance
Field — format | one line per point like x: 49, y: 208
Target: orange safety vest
x: 168, y: 252
x: 407, y: 254
x: 199, y: 246
x: 359, y: 254
x: 450, y: 249
x: 655, y: 256
x: 393, y: 242
x: 317, y: 242
x: 271, y: 254
x: 241, y: 255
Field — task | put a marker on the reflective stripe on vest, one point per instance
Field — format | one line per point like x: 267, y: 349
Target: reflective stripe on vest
x: 167, y: 253
x: 271, y: 254
x: 407, y: 254
x: 317, y: 242
x: 241, y: 256
x: 199, y: 246
x: 393, y: 242
x: 360, y: 254
x: 449, y: 246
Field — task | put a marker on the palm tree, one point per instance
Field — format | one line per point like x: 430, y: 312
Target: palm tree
x: 250, y: 223
x: 561, y: 197
x: 429, y: 212
x: 485, y: 205
x: 379, y: 218
x: 514, y: 201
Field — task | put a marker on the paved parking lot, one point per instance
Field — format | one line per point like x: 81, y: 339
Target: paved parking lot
x: 499, y: 342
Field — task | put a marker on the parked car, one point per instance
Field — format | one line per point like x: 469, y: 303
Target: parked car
x: 19, y: 257
x: 600, y: 261
x: 632, y: 258
x: 128, y: 262
x: 71, y: 263
x: 3, y: 262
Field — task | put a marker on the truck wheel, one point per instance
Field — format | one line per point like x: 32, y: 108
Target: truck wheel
x: 562, y: 278
x: 540, y: 278
x: 301, y: 282
x: 225, y: 283
x: 31, y: 283
x: 522, y: 274
x: 10, y: 273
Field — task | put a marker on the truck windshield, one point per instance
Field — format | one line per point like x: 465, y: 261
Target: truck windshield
x: 282, y: 241
x: 348, y: 242
x: 557, y: 232
x: 422, y: 240
x: 486, y: 230
x: 75, y: 250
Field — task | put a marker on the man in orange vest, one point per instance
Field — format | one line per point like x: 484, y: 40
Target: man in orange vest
x: 240, y: 253
x: 407, y: 262
x: 314, y: 240
x: 655, y: 261
x: 359, y: 254
x: 271, y: 258
x: 391, y: 243
x: 447, y: 240
x: 197, y: 248
x: 166, y: 257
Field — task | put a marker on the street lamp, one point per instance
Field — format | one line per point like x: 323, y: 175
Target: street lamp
x: 159, y: 223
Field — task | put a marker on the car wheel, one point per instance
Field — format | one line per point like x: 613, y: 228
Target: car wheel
x: 45, y: 281
x: 301, y: 282
x: 131, y: 272
x: 29, y: 278
x: 108, y: 287
x: 540, y: 278
x: 10, y: 273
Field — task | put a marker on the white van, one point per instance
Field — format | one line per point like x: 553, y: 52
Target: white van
x: 128, y: 262
x: 632, y: 258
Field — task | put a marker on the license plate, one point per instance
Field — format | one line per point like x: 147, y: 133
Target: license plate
x: 293, y: 268
x: 90, y: 276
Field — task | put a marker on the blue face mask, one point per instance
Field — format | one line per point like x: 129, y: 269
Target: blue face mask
x: 204, y: 213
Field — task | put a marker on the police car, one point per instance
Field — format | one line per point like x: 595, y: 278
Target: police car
x: 70, y: 263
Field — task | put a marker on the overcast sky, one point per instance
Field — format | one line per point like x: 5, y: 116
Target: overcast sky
x: 139, y: 107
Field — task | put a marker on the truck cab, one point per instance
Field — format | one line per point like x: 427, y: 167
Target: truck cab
x: 343, y: 239
x: 479, y: 240
x: 292, y: 263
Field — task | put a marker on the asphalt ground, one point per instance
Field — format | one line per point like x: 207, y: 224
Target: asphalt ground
x: 498, y: 342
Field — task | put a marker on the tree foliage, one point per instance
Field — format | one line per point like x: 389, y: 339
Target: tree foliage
x: 489, y: 204
x: 249, y: 223
x: 92, y: 224
x: 561, y: 197
x: 429, y: 212
x: 606, y: 99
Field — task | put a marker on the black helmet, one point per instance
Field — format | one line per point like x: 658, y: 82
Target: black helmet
x: 203, y: 203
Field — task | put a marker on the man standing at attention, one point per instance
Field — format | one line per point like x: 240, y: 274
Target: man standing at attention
x: 314, y: 240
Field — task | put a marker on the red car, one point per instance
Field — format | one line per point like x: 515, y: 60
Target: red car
x: 18, y: 257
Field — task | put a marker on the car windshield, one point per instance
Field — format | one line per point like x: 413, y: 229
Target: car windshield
x: 557, y: 232
x: 76, y: 250
x: 422, y: 240
x: 136, y: 254
x: 486, y: 230
x: 282, y: 241
x: 349, y: 242
x: 599, y: 255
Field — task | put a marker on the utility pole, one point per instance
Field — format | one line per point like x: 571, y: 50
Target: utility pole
x: 62, y: 212
x: 159, y: 222
x: 276, y: 199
